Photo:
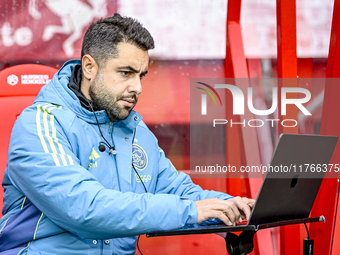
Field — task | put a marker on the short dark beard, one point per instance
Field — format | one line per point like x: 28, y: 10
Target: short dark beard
x: 104, y: 101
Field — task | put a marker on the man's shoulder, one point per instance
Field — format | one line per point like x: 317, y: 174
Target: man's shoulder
x: 143, y: 130
x: 47, y: 108
x: 39, y: 113
x: 143, y: 126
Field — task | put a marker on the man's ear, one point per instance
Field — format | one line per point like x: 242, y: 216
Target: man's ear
x: 89, y: 67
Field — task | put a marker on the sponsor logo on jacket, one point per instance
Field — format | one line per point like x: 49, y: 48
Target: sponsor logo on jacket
x: 93, y: 159
x: 145, y: 178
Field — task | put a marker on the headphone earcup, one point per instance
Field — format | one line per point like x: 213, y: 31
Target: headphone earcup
x: 233, y: 243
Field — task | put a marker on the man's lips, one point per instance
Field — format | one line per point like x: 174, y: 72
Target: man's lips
x: 128, y: 101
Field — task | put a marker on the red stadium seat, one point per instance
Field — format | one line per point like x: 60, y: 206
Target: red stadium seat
x: 19, y: 87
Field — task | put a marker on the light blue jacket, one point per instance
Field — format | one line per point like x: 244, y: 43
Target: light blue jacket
x: 64, y: 196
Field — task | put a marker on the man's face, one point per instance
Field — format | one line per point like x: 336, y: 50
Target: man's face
x: 117, y: 86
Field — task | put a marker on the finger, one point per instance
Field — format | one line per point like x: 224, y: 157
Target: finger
x: 232, y: 212
x: 249, y: 202
x: 243, y: 207
x: 235, y: 208
x: 228, y: 207
x: 221, y: 216
x: 224, y: 210
x: 211, y: 208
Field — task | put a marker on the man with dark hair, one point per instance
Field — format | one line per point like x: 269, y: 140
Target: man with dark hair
x: 84, y: 174
x: 101, y: 38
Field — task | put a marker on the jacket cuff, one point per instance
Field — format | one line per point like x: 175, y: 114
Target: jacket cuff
x: 192, y: 212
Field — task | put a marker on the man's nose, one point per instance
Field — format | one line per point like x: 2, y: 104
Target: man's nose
x: 136, y: 85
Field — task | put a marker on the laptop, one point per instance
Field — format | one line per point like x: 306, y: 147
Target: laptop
x: 289, y: 188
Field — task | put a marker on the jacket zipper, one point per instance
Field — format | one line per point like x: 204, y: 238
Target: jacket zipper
x: 114, y: 156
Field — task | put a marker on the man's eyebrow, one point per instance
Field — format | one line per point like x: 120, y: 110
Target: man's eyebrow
x: 132, y: 69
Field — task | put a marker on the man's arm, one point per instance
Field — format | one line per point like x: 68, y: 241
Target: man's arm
x: 209, y: 204
x: 70, y: 196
